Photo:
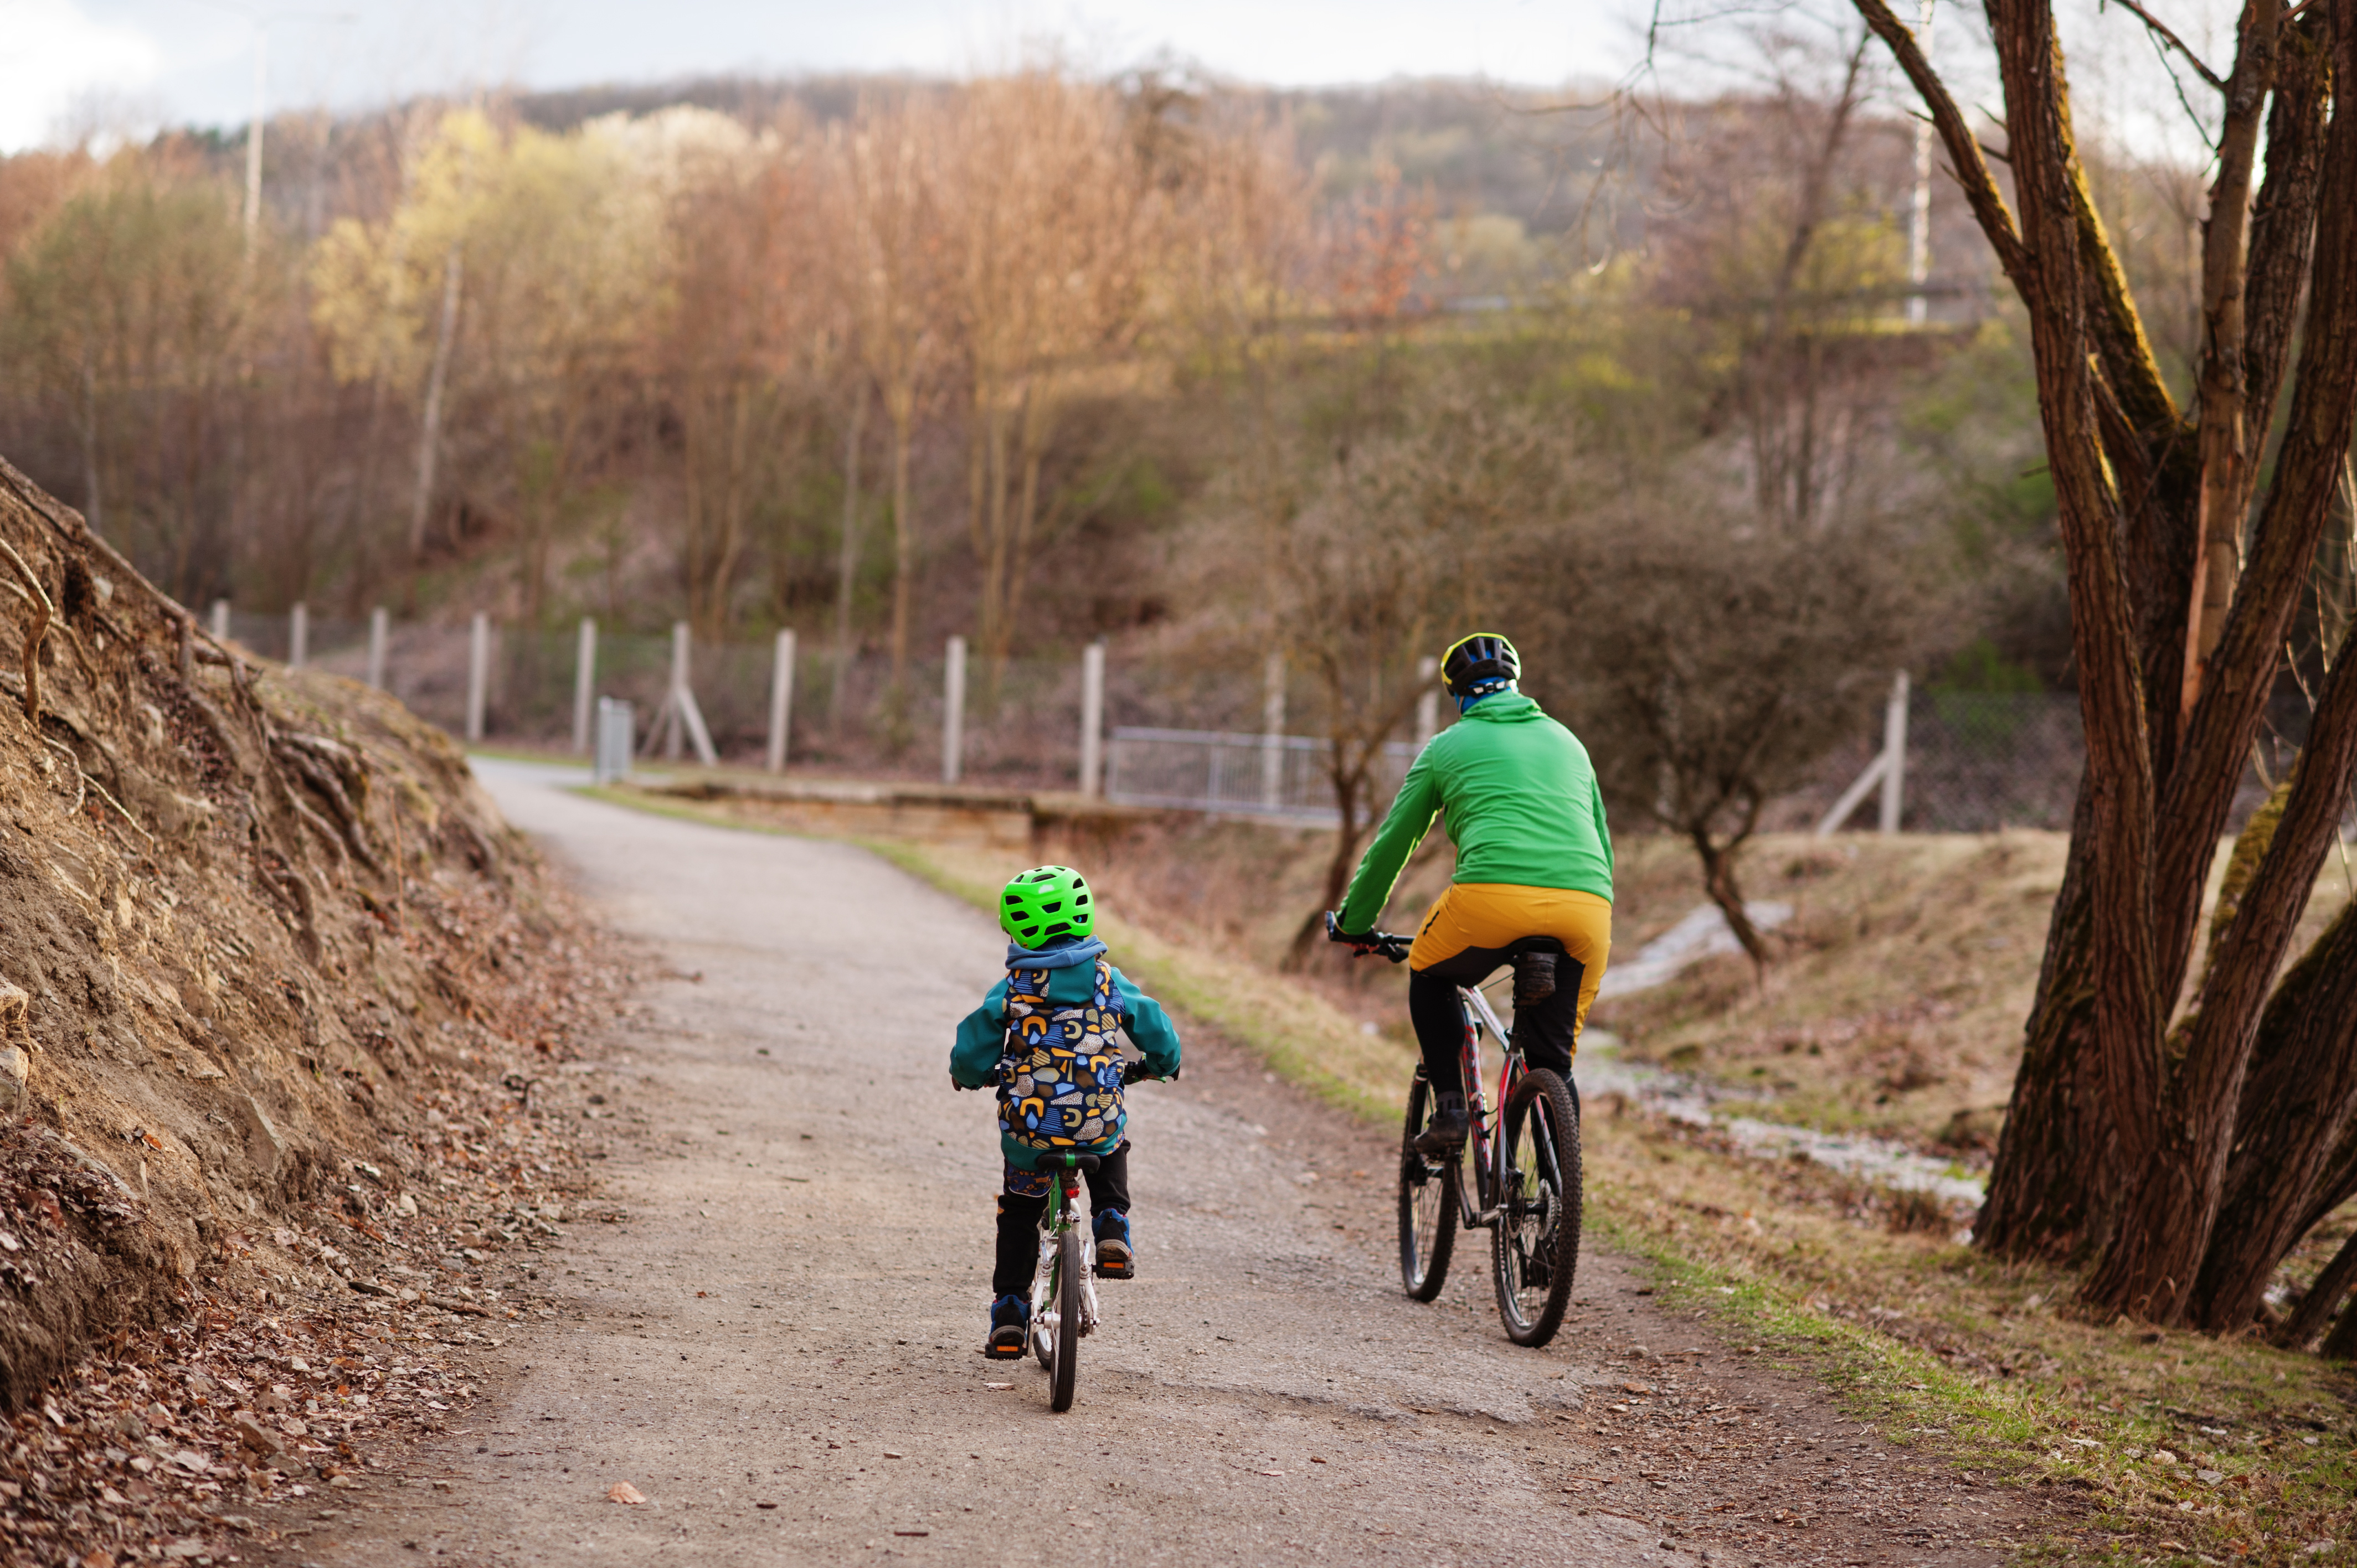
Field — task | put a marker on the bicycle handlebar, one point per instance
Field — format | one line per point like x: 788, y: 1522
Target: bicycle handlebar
x: 1131, y: 1072
x: 1382, y: 944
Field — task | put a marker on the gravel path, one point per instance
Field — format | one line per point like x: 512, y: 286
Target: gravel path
x: 778, y: 1347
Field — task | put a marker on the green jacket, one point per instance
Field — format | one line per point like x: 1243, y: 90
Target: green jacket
x: 1521, y: 803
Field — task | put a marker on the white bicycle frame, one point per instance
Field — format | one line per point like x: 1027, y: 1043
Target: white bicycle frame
x: 1045, y: 1318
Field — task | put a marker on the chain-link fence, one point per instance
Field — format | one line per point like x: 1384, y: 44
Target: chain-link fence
x: 1977, y: 762
x: 1230, y: 774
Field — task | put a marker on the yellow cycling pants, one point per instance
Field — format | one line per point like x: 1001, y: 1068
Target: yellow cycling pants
x: 1464, y: 940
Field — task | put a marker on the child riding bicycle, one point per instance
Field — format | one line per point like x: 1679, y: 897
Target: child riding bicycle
x: 1045, y: 1036
x: 1518, y: 798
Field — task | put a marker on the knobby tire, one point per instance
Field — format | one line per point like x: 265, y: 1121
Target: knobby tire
x: 1427, y: 1205
x: 1534, y: 1248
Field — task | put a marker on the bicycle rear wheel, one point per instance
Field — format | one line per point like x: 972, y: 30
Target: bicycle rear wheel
x: 1064, y: 1372
x: 1534, y: 1249
x: 1427, y: 1205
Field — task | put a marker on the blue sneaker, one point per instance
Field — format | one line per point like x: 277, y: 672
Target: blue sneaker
x: 1115, y: 1260
x: 1010, y: 1318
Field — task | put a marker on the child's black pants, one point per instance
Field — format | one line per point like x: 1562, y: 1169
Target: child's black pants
x: 1019, y: 1211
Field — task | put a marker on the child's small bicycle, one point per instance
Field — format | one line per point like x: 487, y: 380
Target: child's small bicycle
x: 1064, y: 1287
x: 1064, y: 1284
x: 1525, y: 1187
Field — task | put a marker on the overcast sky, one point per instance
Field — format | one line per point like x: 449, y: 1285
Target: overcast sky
x: 69, y: 66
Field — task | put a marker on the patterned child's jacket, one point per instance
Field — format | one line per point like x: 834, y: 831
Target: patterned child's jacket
x: 1059, y: 1080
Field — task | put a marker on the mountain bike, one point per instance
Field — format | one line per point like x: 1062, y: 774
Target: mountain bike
x: 1524, y: 1181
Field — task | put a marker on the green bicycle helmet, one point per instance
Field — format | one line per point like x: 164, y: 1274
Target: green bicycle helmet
x: 1044, y: 903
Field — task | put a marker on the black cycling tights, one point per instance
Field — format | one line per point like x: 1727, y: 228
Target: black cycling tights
x: 1548, y: 1030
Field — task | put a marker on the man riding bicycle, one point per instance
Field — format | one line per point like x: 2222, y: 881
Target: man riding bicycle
x: 1533, y: 860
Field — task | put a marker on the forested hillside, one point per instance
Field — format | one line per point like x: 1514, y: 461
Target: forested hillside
x: 1037, y: 358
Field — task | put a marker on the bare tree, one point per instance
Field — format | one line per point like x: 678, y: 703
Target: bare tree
x: 887, y: 167
x: 1049, y: 224
x: 744, y: 301
x: 2118, y: 1145
x: 1711, y: 664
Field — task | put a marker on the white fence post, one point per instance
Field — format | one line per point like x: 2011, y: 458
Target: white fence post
x: 1894, y: 752
x: 1428, y: 707
x: 380, y: 641
x: 1093, y: 665
x: 615, y: 741
x: 679, y: 718
x: 781, y: 700
x: 954, y: 710
x: 674, y: 732
x: 220, y: 620
x: 585, y: 682
x: 298, y: 634
x: 479, y: 674
x: 1272, y: 731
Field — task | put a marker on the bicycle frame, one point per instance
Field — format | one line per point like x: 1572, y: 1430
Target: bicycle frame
x: 1484, y: 1116
x: 1054, y: 1221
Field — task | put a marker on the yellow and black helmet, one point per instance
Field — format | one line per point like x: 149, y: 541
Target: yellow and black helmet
x: 1478, y: 665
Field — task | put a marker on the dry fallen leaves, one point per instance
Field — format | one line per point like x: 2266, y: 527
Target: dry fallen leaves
x: 277, y: 1369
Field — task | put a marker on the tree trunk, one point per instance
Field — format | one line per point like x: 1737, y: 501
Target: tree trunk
x: 847, y: 565
x: 2152, y: 508
x: 2047, y: 1191
x: 1350, y: 785
x: 904, y: 569
x: 2110, y: 699
x: 2224, y: 444
x: 2340, y: 1345
x: 1718, y: 883
x: 2047, y: 1187
x: 2296, y: 1109
x: 2151, y: 1265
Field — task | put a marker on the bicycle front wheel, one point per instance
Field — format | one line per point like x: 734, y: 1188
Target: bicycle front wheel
x: 1534, y: 1249
x: 1063, y: 1375
x: 1427, y: 1205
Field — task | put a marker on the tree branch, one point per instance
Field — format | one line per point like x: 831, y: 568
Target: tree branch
x: 1971, y: 170
x: 2179, y: 45
x: 2228, y: 464
x: 2225, y: 718
x: 2283, y: 220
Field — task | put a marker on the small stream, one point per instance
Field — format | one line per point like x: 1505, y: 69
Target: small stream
x: 1682, y: 1099
x: 1879, y: 1160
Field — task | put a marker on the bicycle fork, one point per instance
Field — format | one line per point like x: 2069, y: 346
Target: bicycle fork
x: 1043, y: 1269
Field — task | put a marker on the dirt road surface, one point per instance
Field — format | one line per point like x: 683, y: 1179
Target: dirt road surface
x: 778, y: 1347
